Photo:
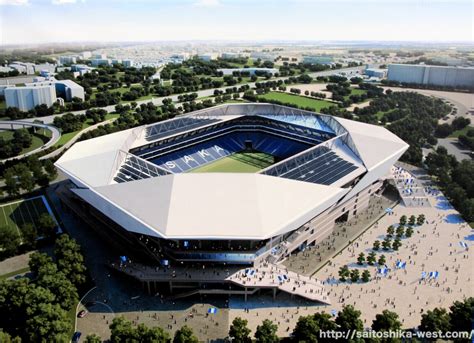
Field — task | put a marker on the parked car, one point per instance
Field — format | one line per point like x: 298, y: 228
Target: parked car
x: 76, y: 336
x: 82, y: 314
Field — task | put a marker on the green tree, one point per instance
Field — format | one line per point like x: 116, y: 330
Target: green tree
x: 37, y: 261
x: 436, y: 320
x: 11, y: 182
x: 355, y: 275
x: 121, y: 330
x: 349, y: 319
x: 9, y: 241
x: 390, y: 231
x: 371, y: 258
x: 46, y: 225
x: 420, y: 220
x: 185, y: 335
x: 387, y: 321
x: 27, y: 182
x: 93, y: 338
x: 306, y: 330
x: 70, y: 260
x: 361, y: 259
x: 382, y: 260
x: 396, y: 244
x: 343, y: 273
x: 409, y: 232
x: 49, y: 324
x: 376, y: 246
x: 50, y: 169
x: 29, y: 234
x: 386, y: 244
x: 461, y: 315
x: 266, y: 332
x: 412, y: 220
x: 239, y: 332
x: 403, y: 220
x: 400, y: 231
x: 366, y: 276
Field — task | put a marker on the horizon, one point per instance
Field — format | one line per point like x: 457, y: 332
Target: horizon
x: 145, y: 21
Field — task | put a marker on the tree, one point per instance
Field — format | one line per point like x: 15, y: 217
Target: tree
x: 390, y: 231
x: 412, y: 220
x: 355, y: 275
x: 361, y: 259
x: 382, y: 260
x: 11, y: 182
x: 387, y: 321
x: 400, y: 231
x: 49, y: 324
x: 396, y: 244
x: 376, y: 245
x: 386, y: 244
x: 306, y: 330
x: 70, y: 260
x: 9, y: 241
x: 27, y: 182
x: 436, y: 320
x: 349, y: 319
x: 93, y: 338
x: 37, y: 261
x: 266, y: 332
x: 46, y: 225
x: 409, y: 232
x: 366, y: 276
x: 371, y: 258
x: 461, y: 315
x: 29, y: 234
x: 420, y: 220
x: 50, y: 169
x: 239, y: 332
x: 121, y: 330
x: 403, y: 220
x: 185, y: 335
x: 343, y: 273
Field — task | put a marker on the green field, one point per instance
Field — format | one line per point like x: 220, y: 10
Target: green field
x: 38, y: 139
x: 15, y: 214
x: 301, y: 101
x: 241, y: 162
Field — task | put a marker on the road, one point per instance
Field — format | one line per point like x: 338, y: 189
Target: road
x: 201, y: 93
x: 12, y: 124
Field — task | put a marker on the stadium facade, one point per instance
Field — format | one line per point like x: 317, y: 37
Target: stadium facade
x: 141, y: 182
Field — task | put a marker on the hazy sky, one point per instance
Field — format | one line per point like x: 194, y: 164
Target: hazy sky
x: 38, y: 21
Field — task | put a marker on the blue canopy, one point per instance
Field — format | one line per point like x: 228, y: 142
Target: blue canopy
x: 212, y: 310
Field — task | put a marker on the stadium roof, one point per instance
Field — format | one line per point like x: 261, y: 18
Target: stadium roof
x: 220, y: 205
x: 215, y: 205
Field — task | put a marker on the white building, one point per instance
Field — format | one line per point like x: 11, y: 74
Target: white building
x: 26, y: 98
x: 318, y: 59
x: 68, y: 90
x: 374, y: 72
x: 100, y: 62
x: 251, y: 70
x: 81, y: 68
x: 431, y: 75
x: 67, y: 59
x: 128, y: 63
x: 208, y: 56
x: 230, y: 55
x: 23, y: 67
x: 86, y: 54
x: 264, y: 56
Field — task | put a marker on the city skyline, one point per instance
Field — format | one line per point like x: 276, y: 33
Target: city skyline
x: 238, y: 20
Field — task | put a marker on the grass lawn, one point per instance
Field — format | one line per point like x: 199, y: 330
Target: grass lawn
x: 301, y: 101
x: 241, y: 162
x: 18, y: 213
x: 458, y: 133
x: 15, y: 272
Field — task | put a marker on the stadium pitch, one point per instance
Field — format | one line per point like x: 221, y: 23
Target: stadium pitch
x: 240, y: 162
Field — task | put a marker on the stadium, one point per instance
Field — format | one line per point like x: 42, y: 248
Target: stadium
x: 238, y: 185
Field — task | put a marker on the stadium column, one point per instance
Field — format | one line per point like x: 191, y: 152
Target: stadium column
x: 148, y: 287
x: 245, y: 294
x: 274, y: 293
x: 171, y: 287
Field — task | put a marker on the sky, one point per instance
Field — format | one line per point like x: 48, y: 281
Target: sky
x: 49, y: 21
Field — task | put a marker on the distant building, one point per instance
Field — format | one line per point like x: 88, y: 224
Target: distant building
x: 23, y: 67
x: 251, y: 70
x: 3, y: 87
x: 100, y: 62
x: 208, y: 57
x: 431, y: 75
x: 116, y: 61
x: 86, y: 54
x: 68, y: 90
x: 26, y: 98
x: 375, y: 72
x: 67, y: 60
x: 81, y: 68
x: 230, y: 55
x: 264, y: 56
x: 51, y: 68
x: 318, y: 59
x: 100, y: 56
x: 128, y: 63
x: 5, y: 69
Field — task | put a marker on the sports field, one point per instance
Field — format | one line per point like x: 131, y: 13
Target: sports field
x: 17, y: 213
x: 240, y: 162
x: 301, y: 101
